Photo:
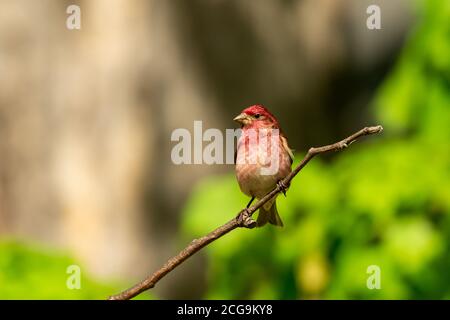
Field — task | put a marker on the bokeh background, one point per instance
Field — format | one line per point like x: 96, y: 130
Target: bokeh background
x: 86, y: 117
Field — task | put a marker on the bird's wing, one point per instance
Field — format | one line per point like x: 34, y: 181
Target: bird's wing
x: 286, y: 147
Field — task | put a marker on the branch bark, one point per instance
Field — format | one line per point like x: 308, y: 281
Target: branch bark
x: 240, y: 221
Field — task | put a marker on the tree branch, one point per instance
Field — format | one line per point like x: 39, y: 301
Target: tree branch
x: 241, y: 220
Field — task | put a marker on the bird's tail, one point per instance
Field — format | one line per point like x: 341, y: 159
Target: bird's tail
x: 271, y: 216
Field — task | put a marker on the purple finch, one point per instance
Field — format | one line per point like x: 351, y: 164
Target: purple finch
x: 263, y: 159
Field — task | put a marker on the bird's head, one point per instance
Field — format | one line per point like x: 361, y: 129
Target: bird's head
x: 256, y: 116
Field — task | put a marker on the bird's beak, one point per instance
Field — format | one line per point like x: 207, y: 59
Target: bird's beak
x: 241, y: 118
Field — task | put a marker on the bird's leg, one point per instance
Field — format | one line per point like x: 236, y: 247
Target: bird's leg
x: 246, y: 220
x: 251, y: 200
x: 282, y: 186
x: 244, y: 217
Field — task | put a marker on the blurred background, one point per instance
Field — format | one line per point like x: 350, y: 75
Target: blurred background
x: 86, y: 175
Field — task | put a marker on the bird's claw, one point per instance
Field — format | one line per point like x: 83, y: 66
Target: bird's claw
x: 245, y: 220
x: 282, y: 186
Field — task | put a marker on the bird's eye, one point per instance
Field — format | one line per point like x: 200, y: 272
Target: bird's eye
x: 257, y: 116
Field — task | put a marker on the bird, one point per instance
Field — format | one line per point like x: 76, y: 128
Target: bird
x: 254, y: 153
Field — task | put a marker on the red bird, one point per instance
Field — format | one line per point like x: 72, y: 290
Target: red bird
x: 263, y: 159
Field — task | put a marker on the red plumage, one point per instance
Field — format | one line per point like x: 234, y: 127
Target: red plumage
x: 262, y: 145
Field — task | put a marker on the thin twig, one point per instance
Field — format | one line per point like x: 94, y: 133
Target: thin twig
x: 240, y: 220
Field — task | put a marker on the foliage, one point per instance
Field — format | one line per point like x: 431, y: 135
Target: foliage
x: 33, y: 272
x: 383, y: 202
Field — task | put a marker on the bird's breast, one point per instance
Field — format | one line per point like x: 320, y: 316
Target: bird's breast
x: 260, y: 164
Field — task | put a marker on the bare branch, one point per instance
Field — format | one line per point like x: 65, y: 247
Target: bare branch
x: 241, y: 220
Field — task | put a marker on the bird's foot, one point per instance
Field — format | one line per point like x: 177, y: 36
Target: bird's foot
x: 245, y: 219
x: 282, y: 186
